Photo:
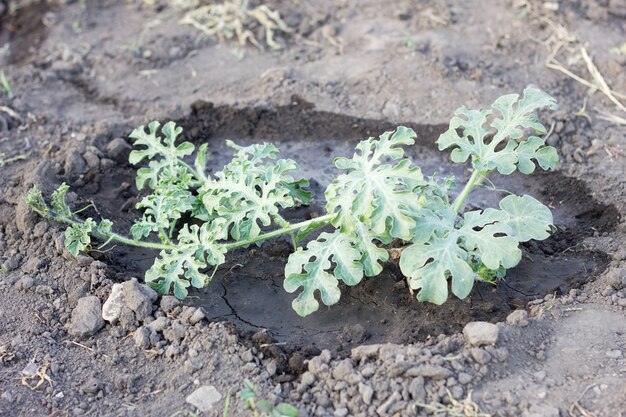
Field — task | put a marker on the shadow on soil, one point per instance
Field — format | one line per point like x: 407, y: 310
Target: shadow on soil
x: 248, y: 292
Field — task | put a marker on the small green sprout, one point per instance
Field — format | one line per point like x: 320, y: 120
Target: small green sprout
x: 264, y: 408
x: 6, y: 86
x: 379, y: 196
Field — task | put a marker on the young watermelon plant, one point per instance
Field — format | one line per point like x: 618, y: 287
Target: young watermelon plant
x: 379, y: 196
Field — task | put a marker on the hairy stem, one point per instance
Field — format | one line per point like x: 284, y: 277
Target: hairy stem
x: 474, y: 181
x: 317, y: 222
x: 288, y: 228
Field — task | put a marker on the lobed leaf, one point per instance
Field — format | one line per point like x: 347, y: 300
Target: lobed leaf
x: 375, y: 192
x: 249, y: 191
x: 59, y: 206
x: 154, y: 145
x: 78, y: 236
x: 528, y: 218
x: 161, y: 209
x: 177, y: 269
x: 509, y: 116
x: 482, y: 246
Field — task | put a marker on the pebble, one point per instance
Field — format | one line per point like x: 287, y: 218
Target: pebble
x: 464, y: 378
x: 25, y: 283
x: 343, y: 370
x: 90, y: 386
x: 367, y: 393
x: 142, y: 338
x: 480, y: 333
x: 169, y: 303
x: 118, y: 150
x: 112, y: 307
x: 614, y: 354
x: 518, y: 318
x: 86, y: 317
x: 197, y: 316
x: 204, y: 398
x: 480, y: 355
x: 139, y: 298
x: 429, y: 371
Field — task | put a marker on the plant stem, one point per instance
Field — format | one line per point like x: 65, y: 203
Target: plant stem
x: 318, y: 222
x: 474, y: 181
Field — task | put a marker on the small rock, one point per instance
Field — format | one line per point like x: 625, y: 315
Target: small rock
x: 118, y: 150
x: 429, y: 371
x: 343, y: 370
x: 159, y: 324
x: 204, y: 398
x: 139, y: 298
x: 40, y: 229
x: 271, y: 367
x: 197, y: 316
x: 75, y: 165
x: 169, y: 303
x: 112, y: 307
x: 142, y: 338
x: 247, y: 356
x: 175, y: 332
x: 187, y: 313
x: 308, y: 379
x: 465, y: 378
x: 33, y: 265
x: 614, y: 354
x: 367, y: 393
x: 480, y: 333
x: 365, y: 352
x: 518, y: 318
x: 24, y: 283
x: 44, y: 290
x: 86, y: 317
x: 171, y: 351
x: 480, y: 355
x: 91, y: 386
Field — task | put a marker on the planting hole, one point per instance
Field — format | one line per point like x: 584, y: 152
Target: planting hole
x: 248, y: 292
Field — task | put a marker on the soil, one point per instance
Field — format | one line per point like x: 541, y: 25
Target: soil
x: 85, y: 75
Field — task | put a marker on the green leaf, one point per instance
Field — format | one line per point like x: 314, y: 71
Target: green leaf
x: 528, y: 218
x: 36, y: 202
x: 310, y: 269
x: 249, y: 191
x: 59, y: 206
x: 534, y: 148
x: 375, y: 192
x: 177, y: 269
x: 154, y: 145
x: 160, y: 210
x: 105, y: 227
x: 487, y: 233
x: 446, y: 250
x: 285, y: 410
x: 505, y: 151
x: 371, y: 254
x: 428, y: 265
x: 77, y: 236
x: 201, y: 159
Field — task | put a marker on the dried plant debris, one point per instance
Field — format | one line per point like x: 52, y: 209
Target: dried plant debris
x: 235, y: 19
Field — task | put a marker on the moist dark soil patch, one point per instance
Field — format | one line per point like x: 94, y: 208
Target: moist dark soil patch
x: 24, y: 29
x: 247, y: 291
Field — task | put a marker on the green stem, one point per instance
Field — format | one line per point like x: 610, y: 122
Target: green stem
x: 318, y: 222
x: 474, y: 181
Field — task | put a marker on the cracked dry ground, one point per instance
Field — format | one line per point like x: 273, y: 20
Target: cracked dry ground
x: 348, y: 70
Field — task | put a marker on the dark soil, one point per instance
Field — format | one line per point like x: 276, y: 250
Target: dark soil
x: 86, y: 73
